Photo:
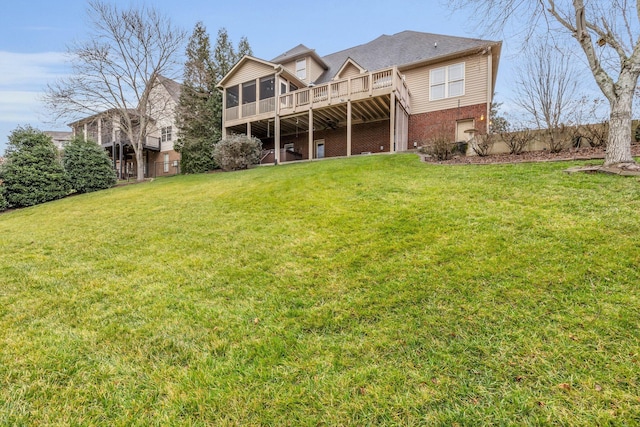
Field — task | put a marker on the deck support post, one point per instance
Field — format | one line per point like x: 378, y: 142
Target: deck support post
x: 310, y: 133
x: 276, y: 139
x: 392, y: 123
x: 348, y: 128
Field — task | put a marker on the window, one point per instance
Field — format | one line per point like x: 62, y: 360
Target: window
x: 166, y: 163
x: 233, y: 96
x: 267, y: 87
x: 249, y: 92
x: 301, y: 68
x: 447, y: 82
x: 283, y: 88
x: 165, y: 134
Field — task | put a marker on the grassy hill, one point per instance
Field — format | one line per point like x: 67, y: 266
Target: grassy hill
x: 368, y: 291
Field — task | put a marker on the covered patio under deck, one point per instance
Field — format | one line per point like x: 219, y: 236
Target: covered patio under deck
x: 363, y: 114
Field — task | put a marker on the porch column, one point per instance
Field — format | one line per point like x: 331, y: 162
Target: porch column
x: 120, y: 155
x: 310, y: 133
x: 348, y: 128
x: 392, y: 123
x: 249, y: 129
x: 84, y: 131
x: 276, y: 139
x: 100, y: 131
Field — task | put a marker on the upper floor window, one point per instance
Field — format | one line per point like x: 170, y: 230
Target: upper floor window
x: 301, y: 68
x: 446, y: 82
x: 165, y: 134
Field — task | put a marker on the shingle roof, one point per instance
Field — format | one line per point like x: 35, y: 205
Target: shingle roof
x: 292, y: 53
x: 400, y: 49
x: 172, y: 87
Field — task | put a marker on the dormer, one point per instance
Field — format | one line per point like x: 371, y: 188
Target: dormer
x: 302, y: 62
x: 350, y: 68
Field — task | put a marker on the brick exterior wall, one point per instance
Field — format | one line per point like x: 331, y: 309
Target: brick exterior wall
x: 370, y: 137
x: 155, y: 167
x: 365, y: 137
x: 423, y: 127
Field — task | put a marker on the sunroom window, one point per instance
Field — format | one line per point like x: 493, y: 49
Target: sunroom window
x: 233, y: 96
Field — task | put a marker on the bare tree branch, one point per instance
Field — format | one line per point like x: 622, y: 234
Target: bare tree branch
x: 118, y: 70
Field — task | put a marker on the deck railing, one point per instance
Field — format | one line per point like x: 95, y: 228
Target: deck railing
x: 358, y: 87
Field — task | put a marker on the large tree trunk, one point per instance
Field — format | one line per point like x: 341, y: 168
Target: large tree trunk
x: 140, y: 165
x: 619, y: 142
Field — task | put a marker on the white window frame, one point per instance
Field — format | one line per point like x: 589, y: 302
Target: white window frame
x: 301, y: 71
x: 446, y: 80
x: 166, y: 134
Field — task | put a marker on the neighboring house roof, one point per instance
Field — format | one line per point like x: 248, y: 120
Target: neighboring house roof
x: 59, y: 135
x: 401, y: 49
x: 93, y: 117
x: 173, y: 87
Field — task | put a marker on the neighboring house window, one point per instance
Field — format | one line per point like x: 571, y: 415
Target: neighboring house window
x: 301, y: 68
x: 166, y: 134
x: 447, y: 82
x: 166, y: 163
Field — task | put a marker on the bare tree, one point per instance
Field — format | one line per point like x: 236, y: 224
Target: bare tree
x: 545, y: 86
x: 118, y: 69
x: 608, y: 33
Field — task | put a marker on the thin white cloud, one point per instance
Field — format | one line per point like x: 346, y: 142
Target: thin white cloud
x: 20, y: 106
x: 29, y: 70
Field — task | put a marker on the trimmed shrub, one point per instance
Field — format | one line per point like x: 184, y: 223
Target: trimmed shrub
x: 237, y: 152
x: 88, y: 166
x: 32, y: 173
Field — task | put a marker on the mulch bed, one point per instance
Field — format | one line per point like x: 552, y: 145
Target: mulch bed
x: 530, y: 156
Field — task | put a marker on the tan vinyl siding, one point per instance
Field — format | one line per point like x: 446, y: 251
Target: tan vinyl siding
x: 349, y: 71
x: 251, y: 70
x: 475, y: 85
x: 314, y: 70
x: 290, y: 66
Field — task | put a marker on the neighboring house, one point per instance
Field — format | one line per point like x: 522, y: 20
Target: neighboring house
x: 60, y: 139
x: 158, y: 149
x: 391, y: 94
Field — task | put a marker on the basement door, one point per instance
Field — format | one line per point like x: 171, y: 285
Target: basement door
x: 319, y: 148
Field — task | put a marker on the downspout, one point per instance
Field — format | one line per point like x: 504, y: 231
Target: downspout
x: 489, y: 87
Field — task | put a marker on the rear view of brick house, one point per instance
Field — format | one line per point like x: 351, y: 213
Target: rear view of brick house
x: 388, y: 95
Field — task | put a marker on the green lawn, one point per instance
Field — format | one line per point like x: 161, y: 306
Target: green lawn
x: 369, y: 291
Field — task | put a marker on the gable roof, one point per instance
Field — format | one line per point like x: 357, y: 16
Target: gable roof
x: 173, y: 87
x: 299, y: 52
x: 347, y: 62
x: 401, y: 49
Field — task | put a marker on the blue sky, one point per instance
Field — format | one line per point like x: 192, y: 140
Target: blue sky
x: 34, y: 36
